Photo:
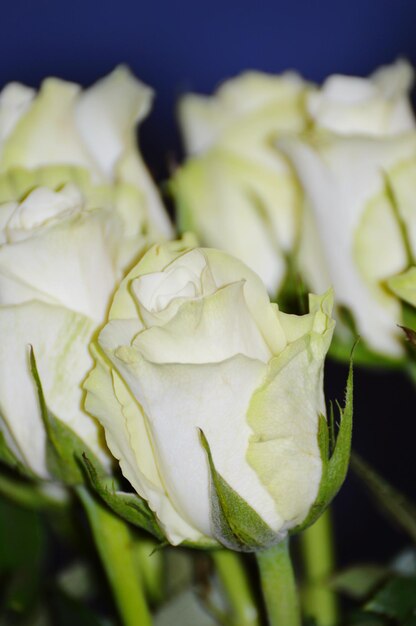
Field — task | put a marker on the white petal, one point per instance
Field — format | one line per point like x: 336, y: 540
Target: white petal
x: 341, y: 176
x: 206, y: 330
x: 109, y: 400
x: 60, y: 341
x: 205, y: 120
x: 15, y: 100
x: 284, y: 414
x: 227, y: 269
x: 41, y: 207
x: 47, y: 134
x: 71, y: 263
x: 158, y: 257
x: 378, y: 105
x: 106, y: 115
x: 257, y: 211
x: 180, y: 399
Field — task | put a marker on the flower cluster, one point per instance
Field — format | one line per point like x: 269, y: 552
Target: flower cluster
x: 173, y: 358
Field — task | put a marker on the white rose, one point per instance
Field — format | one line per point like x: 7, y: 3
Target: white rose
x: 353, y: 237
x: 193, y: 342
x: 237, y: 191
x: 59, y: 264
x: 93, y: 129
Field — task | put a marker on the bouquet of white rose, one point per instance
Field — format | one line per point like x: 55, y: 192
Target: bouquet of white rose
x: 173, y: 390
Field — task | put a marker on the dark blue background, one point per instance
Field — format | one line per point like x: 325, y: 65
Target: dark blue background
x: 178, y: 46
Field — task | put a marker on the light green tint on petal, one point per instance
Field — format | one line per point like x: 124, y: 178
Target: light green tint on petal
x: 404, y: 286
x: 47, y: 133
x: 318, y: 319
x: 284, y: 414
x: 379, y: 252
x: 402, y: 179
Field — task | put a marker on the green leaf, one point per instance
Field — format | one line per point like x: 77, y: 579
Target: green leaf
x: 392, y: 502
x: 397, y: 599
x: 360, y: 581
x: 335, y: 467
x: 128, y: 506
x: 363, y: 618
x: 236, y: 525
x: 64, y: 448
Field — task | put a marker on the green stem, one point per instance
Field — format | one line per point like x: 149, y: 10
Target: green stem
x: 279, y: 585
x: 149, y: 561
x: 235, y: 582
x: 317, y: 546
x: 113, y: 542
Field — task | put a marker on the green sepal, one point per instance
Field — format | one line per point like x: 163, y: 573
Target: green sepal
x: 64, y: 449
x: 409, y: 324
x: 335, y: 456
x: 129, y: 506
x: 236, y: 525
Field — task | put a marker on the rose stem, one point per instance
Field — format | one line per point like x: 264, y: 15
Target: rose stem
x: 113, y: 543
x: 233, y: 577
x: 317, y: 549
x: 279, y: 585
x: 149, y: 562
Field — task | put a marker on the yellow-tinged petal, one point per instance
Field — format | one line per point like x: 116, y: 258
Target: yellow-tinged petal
x: 284, y: 414
x: 404, y: 285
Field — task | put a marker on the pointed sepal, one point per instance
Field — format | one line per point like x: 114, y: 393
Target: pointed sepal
x: 129, y: 506
x: 64, y: 449
x: 236, y: 525
x: 335, y: 455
